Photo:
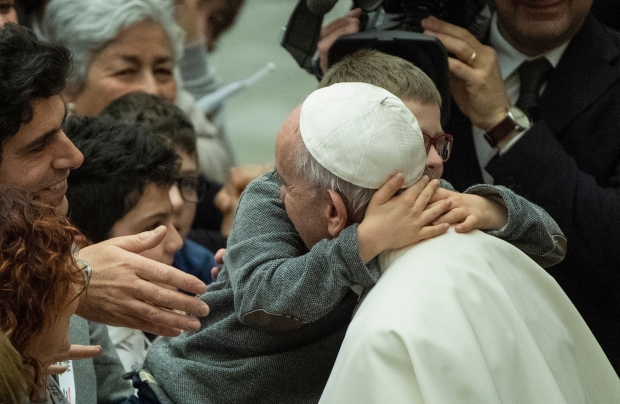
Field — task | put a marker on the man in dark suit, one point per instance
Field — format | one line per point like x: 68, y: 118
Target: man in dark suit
x: 564, y: 155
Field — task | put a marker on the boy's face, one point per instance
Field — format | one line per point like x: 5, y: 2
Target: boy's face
x: 429, y: 118
x: 183, y: 210
x: 152, y: 210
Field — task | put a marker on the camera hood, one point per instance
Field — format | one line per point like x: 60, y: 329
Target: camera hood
x: 424, y: 51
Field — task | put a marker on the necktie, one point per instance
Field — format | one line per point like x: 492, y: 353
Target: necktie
x: 532, y: 75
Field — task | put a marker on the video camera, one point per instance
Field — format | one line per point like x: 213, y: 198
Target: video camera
x: 390, y: 26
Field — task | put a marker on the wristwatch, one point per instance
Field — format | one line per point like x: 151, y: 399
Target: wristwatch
x: 515, y: 120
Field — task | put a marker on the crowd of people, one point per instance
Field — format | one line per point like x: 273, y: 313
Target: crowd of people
x: 392, y: 255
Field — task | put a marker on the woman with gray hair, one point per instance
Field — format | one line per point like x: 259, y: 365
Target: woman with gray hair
x: 122, y: 46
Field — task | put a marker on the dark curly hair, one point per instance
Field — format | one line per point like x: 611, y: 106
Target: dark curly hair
x: 37, y: 270
x: 160, y: 116
x: 119, y: 161
x: 29, y: 70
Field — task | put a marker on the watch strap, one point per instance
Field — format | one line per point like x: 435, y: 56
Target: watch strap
x: 500, y: 131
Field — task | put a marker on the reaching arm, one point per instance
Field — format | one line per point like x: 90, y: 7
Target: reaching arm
x: 518, y: 221
x: 281, y: 285
x: 124, y: 291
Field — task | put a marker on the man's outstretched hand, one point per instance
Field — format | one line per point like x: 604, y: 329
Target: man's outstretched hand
x: 124, y: 291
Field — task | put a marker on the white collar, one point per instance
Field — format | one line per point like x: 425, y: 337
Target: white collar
x: 510, y: 58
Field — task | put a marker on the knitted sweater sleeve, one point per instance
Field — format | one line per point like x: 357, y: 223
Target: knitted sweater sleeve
x: 278, y: 283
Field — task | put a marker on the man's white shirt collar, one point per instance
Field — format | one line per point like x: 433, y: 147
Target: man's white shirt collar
x: 510, y: 58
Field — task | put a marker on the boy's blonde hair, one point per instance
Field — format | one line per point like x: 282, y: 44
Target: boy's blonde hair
x: 396, y: 75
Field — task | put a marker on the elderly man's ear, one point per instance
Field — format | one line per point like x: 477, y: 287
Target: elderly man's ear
x: 337, y: 217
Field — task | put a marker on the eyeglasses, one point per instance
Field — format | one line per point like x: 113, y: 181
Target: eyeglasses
x: 443, y: 144
x: 192, y: 188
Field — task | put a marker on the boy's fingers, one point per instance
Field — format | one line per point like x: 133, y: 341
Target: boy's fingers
x: 425, y: 195
x: 440, y: 193
x: 431, y: 214
x: 215, y: 271
x: 453, y: 216
x: 431, y: 231
x: 219, y: 256
x: 413, y: 193
x: 470, y: 223
x: 387, y: 190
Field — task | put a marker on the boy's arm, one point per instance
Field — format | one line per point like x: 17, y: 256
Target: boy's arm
x: 277, y: 282
x: 528, y: 226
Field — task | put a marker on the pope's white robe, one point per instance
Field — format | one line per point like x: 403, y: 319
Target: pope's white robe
x: 468, y: 318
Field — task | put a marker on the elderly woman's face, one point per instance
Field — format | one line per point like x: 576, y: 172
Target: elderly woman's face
x: 139, y: 59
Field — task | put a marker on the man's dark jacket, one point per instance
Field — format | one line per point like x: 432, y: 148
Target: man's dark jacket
x: 569, y: 164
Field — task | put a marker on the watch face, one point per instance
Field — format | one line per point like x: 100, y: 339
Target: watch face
x: 519, y: 118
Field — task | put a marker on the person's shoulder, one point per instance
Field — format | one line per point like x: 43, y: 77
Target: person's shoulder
x: 600, y: 35
x: 267, y: 184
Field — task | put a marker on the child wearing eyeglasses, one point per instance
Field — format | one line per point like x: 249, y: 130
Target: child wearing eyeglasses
x: 166, y: 120
x: 124, y: 189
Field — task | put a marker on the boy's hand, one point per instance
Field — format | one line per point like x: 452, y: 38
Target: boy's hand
x: 470, y: 211
x: 396, y: 221
x: 219, y: 259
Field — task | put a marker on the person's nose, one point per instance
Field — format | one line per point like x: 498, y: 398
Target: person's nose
x: 177, y: 202
x: 173, y: 241
x: 146, y: 82
x: 433, y: 159
x: 67, y: 156
x: 434, y: 162
x: 10, y: 16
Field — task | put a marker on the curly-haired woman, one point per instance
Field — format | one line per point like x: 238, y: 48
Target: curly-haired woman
x: 40, y: 283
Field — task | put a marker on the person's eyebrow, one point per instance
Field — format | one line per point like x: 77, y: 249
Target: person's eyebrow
x: 163, y: 59
x: 135, y: 60
x: 49, y: 134
x: 156, y: 217
x: 131, y: 59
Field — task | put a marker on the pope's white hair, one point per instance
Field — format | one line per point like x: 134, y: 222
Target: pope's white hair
x: 86, y: 27
x: 357, y: 198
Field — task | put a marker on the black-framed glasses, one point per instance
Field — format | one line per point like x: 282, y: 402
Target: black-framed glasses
x: 192, y: 188
x: 443, y: 144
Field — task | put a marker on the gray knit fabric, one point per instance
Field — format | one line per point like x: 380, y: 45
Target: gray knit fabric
x: 529, y: 227
x: 278, y: 311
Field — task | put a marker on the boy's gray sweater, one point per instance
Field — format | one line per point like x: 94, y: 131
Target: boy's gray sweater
x: 279, y: 312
